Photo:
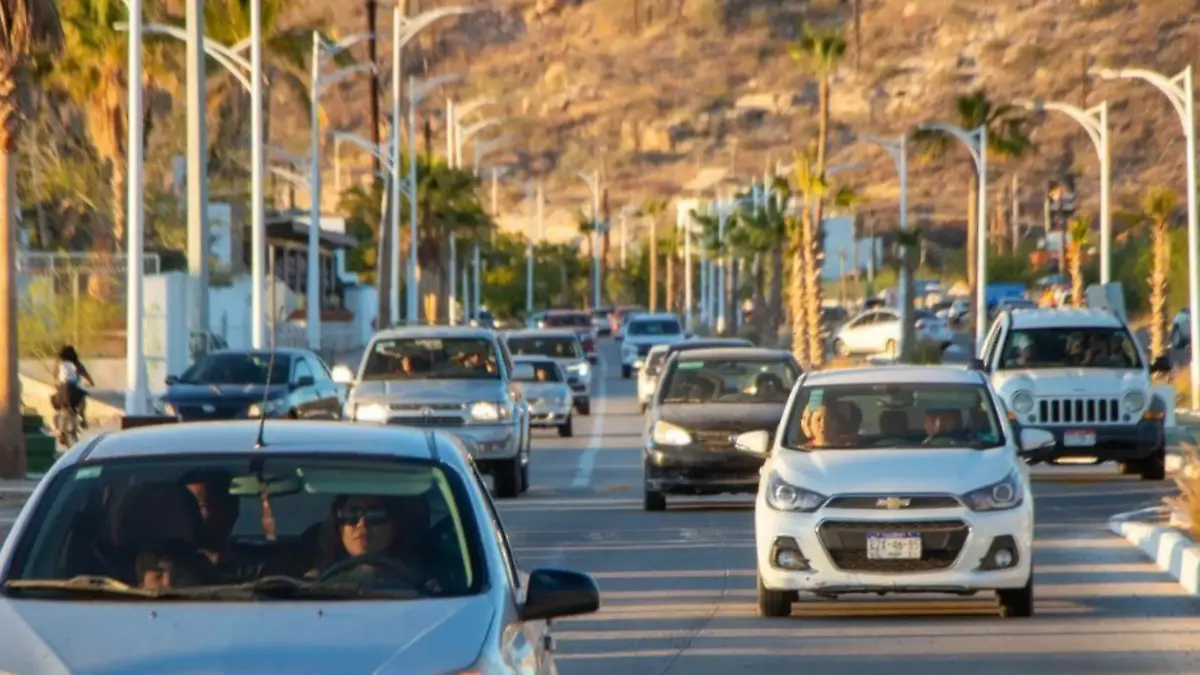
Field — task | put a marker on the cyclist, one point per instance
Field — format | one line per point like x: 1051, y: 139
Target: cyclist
x: 70, y: 392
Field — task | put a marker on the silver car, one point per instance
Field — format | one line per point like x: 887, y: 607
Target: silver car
x: 455, y: 379
x: 548, y: 395
x: 565, y: 348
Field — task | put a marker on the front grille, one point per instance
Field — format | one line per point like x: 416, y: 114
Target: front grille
x: 430, y: 421
x: 716, y: 438
x: 893, y: 502
x: 1079, y: 410
x: 223, y: 412
x: 846, y: 544
x: 401, y: 407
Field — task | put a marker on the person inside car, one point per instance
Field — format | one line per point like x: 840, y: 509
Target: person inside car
x: 162, y: 567
x: 219, y: 510
x: 826, y: 428
x: 942, y: 424
x: 362, y: 542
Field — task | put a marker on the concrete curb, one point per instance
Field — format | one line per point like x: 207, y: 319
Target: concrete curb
x: 1170, y: 549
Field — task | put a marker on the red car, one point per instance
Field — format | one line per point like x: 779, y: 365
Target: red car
x: 580, y: 322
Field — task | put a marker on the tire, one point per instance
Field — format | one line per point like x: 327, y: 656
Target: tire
x: 654, y: 501
x: 508, y: 479
x: 1129, y: 468
x: 567, y: 429
x: 1016, y: 603
x: 1154, y: 467
x: 293, y: 415
x: 772, y: 604
x: 524, y: 478
x: 645, y: 407
x: 889, y: 348
x: 839, y: 348
x: 584, y: 407
x: 626, y: 372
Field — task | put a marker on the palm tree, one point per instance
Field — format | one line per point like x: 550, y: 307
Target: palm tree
x: 806, y: 269
x: 28, y: 26
x: 654, y: 210
x: 1007, y: 138
x: 1158, y: 212
x: 1079, y: 232
x: 819, y: 53
x: 762, y: 231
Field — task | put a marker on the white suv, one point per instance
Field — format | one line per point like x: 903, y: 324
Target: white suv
x: 894, y: 479
x: 1080, y: 374
x: 643, y: 332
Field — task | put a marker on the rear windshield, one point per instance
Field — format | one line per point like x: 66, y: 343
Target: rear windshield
x: 431, y: 359
x: 654, y: 327
x: 555, y: 347
x: 545, y: 371
x: 574, y: 320
x: 729, y: 380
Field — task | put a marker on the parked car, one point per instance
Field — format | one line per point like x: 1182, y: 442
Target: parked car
x: 124, y: 525
x: 878, y: 332
x: 707, y: 398
x: 643, y: 332
x: 905, y: 479
x: 455, y: 379
x: 564, y: 348
x: 240, y: 384
x: 656, y: 359
x: 547, y: 394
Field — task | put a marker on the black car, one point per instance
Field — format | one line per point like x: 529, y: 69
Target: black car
x: 706, y: 398
x: 238, y: 384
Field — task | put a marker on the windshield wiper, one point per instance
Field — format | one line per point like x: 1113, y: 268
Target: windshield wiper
x: 290, y: 588
x: 87, y: 585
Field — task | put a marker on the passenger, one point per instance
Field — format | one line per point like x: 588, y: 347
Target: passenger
x: 825, y: 428
x: 768, y: 387
x: 219, y: 510
x: 161, y: 567
x: 1024, y: 346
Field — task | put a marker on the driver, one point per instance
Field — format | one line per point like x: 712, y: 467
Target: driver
x: 942, y: 422
x: 364, y: 528
x: 1024, y: 345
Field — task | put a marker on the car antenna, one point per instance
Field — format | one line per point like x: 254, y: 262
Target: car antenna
x: 262, y: 408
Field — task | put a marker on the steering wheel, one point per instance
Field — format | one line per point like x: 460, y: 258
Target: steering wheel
x: 397, y: 569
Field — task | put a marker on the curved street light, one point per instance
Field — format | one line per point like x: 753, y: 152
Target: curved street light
x: 592, y: 180
x: 897, y: 149
x: 463, y: 135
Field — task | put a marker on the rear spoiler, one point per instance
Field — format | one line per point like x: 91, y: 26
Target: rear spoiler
x: 137, y: 421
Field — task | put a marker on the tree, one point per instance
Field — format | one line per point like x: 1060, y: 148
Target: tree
x: 1079, y: 232
x: 819, y: 53
x: 1158, y: 211
x: 653, y: 210
x: 806, y: 266
x: 1007, y: 138
x: 28, y: 26
x: 763, y: 231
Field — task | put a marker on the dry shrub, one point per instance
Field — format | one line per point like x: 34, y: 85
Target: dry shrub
x: 1181, y: 379
x: 1188, y: 480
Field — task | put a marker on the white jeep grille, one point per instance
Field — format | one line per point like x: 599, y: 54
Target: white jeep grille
x: 1078, y: 410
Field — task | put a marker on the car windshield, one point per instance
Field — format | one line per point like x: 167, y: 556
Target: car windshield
x: 893, y: 416
x: 238, y: 368
x: 431, y: 359
x: 572, y: 320
x: 1070, y: 348
x: 654, y: 327
x: 729, y: 381
x: 555, y: 347
x: 238, y: 527
x: 544, y: 371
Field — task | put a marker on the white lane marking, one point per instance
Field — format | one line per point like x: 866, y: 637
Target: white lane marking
x: 587, y: 461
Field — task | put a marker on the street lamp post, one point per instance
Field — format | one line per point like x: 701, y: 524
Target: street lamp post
x: 1095, y: 123
x: 593, y: 182
x: 482, y: 148
x: 898, y: 150
x: 197, y: 173
x: 135, y: 364
x: 976, y: 142
x: 455, y: 113
x: 1180, y: 91
x: 461, y: 136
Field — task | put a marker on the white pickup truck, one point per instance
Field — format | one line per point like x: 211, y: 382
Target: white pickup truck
x: 1081, y: 375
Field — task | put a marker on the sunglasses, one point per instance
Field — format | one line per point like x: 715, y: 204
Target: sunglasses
x: 372, y: 515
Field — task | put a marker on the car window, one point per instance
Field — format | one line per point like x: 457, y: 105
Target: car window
x: 893, y: 416
x: 728, y: 381
x: 1069, y: 348
x: 319, y: 369
x: 572, y: 320
x: 545, y: 371
x: 432, y: 359
x: 864, y: 320
x: 301, y: 370
x: 238, y: 368
x: 654, y: 327
x: 403, y: 527
x: 556, y: 347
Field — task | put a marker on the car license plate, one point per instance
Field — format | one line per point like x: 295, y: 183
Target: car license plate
x: 1079, y: 438
x: 893, y: 546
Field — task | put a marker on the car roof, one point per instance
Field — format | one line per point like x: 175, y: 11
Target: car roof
x: 742, y: 353
x: 565, y: 312
x: 899, y: 374
x: 428, y: 332
x: 707, y: 343
x: 1063, y: 318
x: 653, y: 316
x: 282, y: 351
x: 542, y: 332
x: 282, y: 437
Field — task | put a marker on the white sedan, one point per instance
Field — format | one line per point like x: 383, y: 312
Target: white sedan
x: 894, y: 480
x: 878, y: 332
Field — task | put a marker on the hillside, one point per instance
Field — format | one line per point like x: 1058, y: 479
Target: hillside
x: 704, y: 83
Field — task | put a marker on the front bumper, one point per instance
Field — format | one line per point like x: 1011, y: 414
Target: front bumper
x: 955, y: 544
x: 483, y: 441
x: 1114, y: 442
x: 700, y: 471
x: 549, y: 416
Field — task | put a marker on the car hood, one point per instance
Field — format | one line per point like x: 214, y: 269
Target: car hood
x: 424, y: 636
x: 221, y: 393
x: 544, y: 389
x: 707, y: 416
x: 895, y: 471
x: 431, y: 391
x: 1072, y: 381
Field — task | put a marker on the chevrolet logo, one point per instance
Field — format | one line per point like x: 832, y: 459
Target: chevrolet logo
x: 892, y: 503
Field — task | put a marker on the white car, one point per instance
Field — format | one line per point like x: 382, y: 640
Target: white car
x: 1082, y: 375
x: 899, y: 479
x: 647, y: 379
x: 877, y: 331
x: 642, y: 333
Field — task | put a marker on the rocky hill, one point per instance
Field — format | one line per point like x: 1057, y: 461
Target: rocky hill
x: 651, y: 91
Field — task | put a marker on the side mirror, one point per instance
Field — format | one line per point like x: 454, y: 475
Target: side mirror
x: 554, y: 594
x: 1033, y: 440
x: 342, y: 375
x: 306, y: 381
x: 756, y: 443
x: 172, y: 379
x: 523, y: 372
x: 1161, y: 365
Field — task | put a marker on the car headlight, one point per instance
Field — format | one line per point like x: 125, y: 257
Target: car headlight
x: 1001, y: 496
x: 581, y: 369
x: 783, y: 496
x: 1022, y: 402
x: 1134, y: 401
x: 665, y: 433
x: 165, y: 409
x: 489, y: 411
x: 370, y: 412
x: 267, y: 409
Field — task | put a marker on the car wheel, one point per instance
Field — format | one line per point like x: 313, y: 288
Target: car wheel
x: 1128, y: 468
x: 645, y: 407
x: 889, y: 348
x: 773, y: 604
x: 566, y: 429
x: 524, y: 478
x: 1016, y: 603
x: 585, y: 407
x: 654, y: 501
x: 293, y: 415
x: 508, y: 479
x: 1176, y: 337
x: 839, y: 348
x: 626, y: 372
x: 1154, y: 467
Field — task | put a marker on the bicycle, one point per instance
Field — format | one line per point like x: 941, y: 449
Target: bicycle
x: 66, y: 425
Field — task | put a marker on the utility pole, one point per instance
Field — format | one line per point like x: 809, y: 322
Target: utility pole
x: 197, y: 175
x: 1016, y: 216
x: 373, y: 54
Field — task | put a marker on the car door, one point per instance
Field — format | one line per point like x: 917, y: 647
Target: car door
x: 858, y: 332
x: 304, y: 397
x: 885, y: 328
x: 328, y: 393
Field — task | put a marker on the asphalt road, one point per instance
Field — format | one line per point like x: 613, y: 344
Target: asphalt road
x: 678, y: 586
